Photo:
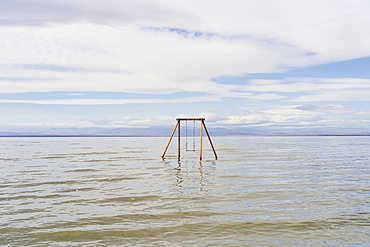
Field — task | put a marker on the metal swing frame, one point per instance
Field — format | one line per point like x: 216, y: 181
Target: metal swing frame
x: 202, y: 125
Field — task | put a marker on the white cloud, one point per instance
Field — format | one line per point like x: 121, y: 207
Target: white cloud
x: 288, y: 117
x: 279, y: 116
x: 111, y: 101
x: 139, y: 52
x: 339, y: 109
x: 314, y: 89
x: 86, y: 57
x: 317, y: 26
x: 268, y: 97
x: 345, y: 113
x: 165, y: 46
x: 291, y: 85
x: 336, y: 95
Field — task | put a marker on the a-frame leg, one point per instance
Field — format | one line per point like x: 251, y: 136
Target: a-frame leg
x: 173, y: 132
x: 201, y: 141
x: 209, y: 138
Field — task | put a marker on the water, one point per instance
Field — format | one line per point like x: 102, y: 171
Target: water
x: 265, y: 191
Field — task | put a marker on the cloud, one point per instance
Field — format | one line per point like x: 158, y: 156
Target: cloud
x: 268, y: 97
x: 306, y: 118
x: 283, y: 116
x: 320, y: 28
x: 336, y: 95
x: 164, y: 48
x: 339, y: 109
x: 86, y: 57
x: 291, y: 85
x: 311, y: 89
x: 44, y: 12
x: 171, y: 46
x: 110, y: 101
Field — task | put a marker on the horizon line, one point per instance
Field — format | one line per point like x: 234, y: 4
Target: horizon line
x: 82, y: 135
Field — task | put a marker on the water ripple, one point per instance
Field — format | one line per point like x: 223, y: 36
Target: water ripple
x: 271, y: 191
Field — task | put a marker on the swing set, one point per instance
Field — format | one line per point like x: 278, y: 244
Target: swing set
x: 202, y: 124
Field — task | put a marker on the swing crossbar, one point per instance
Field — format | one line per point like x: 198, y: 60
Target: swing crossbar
x: 190, y: 119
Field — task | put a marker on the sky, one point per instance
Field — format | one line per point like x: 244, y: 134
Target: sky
x: 294, y: 66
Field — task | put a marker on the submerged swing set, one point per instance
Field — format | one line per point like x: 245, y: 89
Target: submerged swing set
x: 177, y: 126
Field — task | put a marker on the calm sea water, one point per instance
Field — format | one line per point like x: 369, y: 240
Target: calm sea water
x: 265, y: 191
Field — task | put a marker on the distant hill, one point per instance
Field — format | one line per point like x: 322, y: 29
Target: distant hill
x: 149, y: 131
x: 167, y: 130
x: 152, y: 131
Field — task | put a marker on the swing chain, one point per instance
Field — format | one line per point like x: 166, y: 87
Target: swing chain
x: 186, y: 135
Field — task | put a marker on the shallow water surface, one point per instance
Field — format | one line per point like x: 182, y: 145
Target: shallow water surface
x: 272, y: 191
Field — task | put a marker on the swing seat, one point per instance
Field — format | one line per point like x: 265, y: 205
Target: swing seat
x: 193, y: 150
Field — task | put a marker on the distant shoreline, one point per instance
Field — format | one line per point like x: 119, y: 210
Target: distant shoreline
x: 360, y: 134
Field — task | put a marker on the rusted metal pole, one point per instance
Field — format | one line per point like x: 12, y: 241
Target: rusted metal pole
x: 190, y: 119
x: 209, y: 138
x: 201, y: 139
x: 178, y: 142
x: 168, y: 144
